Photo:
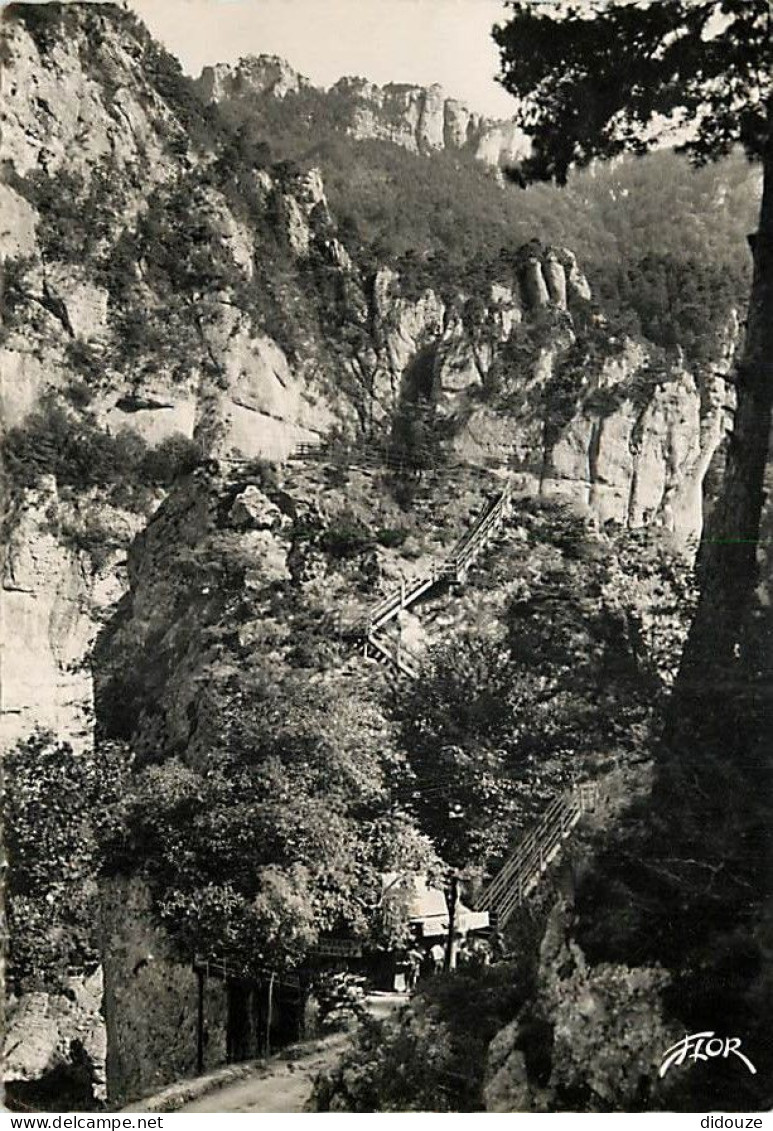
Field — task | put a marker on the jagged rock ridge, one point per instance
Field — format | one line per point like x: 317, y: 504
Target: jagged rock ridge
x: 634, y: 450
x: 420, y: 119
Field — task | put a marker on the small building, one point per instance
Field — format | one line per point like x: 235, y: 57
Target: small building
x: 428, y: 916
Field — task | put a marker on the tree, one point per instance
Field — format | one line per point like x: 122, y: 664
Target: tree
x: 600, y: 80
x: 281, y: 833
x: 54, y: 809
x: 686, y: 882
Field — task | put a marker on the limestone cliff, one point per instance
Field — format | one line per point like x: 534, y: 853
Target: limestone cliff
x: 420, y: 119
x: 260, y: 330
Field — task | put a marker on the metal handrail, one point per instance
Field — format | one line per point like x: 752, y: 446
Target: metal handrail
x: 523, y: 868
x: 462, y: 553
x: 393, y: 657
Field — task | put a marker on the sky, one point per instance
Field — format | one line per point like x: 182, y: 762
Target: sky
x: 414, y: 41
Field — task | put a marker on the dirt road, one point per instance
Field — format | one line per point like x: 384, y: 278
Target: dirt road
x: 285, y: 1084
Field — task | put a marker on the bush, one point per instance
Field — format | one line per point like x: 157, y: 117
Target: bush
x: 432, y: 1057
x: 14, y: 295
x: 259, y: 471
x: 92, y: 537
x: 81, y: 455
x: 54, y: 442
x: 75, y: 216
x: 346, y: 537
x: 309, y: 649
x: 78, y: 394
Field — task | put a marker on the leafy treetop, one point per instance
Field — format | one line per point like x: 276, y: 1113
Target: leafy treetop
x: 599, y: 80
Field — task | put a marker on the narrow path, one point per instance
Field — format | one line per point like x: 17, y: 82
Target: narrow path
x: 285, y: 1084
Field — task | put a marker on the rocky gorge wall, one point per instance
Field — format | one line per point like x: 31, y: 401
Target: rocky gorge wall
x: 230, y: 377
x: 151, y: 1001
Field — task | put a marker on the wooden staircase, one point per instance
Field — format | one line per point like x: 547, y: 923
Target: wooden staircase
x: 522, y: 871
x: 452, y: 568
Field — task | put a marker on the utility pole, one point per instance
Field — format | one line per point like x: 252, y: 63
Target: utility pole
x: 452, y: 899
x: 269, y: 1012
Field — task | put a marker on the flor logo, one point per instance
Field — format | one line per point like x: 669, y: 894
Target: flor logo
x: 703, y: 1046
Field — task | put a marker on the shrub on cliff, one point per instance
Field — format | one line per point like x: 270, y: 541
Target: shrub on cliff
x: 171, y: 457
x: 54, y: 441
x: 75, y: 216
x: 81, y: 455
x: 42, y: 21
x: 14, y: 292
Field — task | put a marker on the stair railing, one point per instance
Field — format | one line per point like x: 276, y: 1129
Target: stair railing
x: 454, y: 565
x: 524, y: 867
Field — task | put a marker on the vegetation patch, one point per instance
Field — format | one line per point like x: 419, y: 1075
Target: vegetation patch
x: 55, y: 806
x: 432, y: 1056
x: 81, y: 455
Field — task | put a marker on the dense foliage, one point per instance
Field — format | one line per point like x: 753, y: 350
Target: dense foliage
x: 432, y: 1056
x: 54, y: 808
x: 679, y: 303
x: 259, y: 810
x: 395, y: 201
x: 80, y: 454
x: 281, y: 835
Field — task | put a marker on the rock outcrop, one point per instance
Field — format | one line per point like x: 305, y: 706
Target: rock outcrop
x: 63, y: 1034
x: 260, y: 331
x: 420, y: 119
x: 67, y: 109
x: 595, y: 1032
x: 262, y: 74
